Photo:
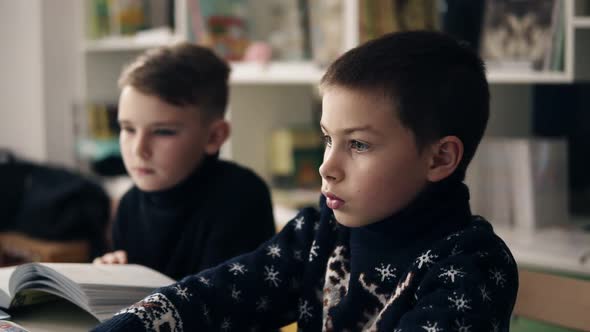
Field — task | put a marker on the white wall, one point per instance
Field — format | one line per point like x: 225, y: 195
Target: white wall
x: 38, y: 63
x: 22, y: 121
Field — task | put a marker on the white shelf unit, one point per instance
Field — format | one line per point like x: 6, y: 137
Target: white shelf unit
x: 124, y: 44
x: 581, y: 22
x: 267, y: 96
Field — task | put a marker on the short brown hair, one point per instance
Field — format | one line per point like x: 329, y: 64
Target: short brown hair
x: 436, y: 84
x: 183, y: 74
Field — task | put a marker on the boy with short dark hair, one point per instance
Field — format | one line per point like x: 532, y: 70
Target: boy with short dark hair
x: 188, y: 210
x: 394, y: 246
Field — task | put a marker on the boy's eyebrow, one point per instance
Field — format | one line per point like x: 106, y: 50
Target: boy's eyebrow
x: 164, y: 124
x: 155, y: 124
x: 348, y: 131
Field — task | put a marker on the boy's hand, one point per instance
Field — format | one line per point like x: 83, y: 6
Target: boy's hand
x: 115, y: 257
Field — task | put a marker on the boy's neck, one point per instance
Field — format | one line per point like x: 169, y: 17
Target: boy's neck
x: 179, y: 192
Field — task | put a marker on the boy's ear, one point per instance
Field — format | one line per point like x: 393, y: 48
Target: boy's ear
x: 219, y: 131
x: 445, y: 158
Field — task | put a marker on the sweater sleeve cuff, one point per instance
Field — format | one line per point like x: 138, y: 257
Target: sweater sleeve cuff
x: 124, y: 322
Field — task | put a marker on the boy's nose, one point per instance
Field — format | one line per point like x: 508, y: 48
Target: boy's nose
x: 142, y: 148
x: 331, y: 170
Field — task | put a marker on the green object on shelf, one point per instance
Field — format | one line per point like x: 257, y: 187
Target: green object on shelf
x: 98, y: 149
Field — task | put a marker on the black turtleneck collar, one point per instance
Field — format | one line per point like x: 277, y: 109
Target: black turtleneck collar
x: 175, y: 195
x: 440, y: 208
x: 445, y: 202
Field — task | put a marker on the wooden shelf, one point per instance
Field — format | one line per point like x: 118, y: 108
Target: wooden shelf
x: 310, y: 73
x: 507, y: 77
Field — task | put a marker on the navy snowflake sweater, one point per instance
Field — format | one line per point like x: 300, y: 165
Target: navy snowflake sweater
x: 430, y: 267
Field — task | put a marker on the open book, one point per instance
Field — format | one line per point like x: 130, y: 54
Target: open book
x: 101, y: 290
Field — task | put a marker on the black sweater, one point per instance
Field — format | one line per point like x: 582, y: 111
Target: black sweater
x: 431, y: 267
x: 220, y: 211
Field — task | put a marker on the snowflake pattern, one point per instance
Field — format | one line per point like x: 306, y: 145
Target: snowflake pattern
x: 451, y: 273
x: 313, y: 252
x: 426, y: 259
x: 386, y: 272
x: 237, y: 268
x: 235, y: 293
x: 498, y: 276
x: 495, y: 326
x: 456, y: 251
x: 182, y: 292
x: 459, y: 303
x: 299, y: 222
x: 226, y: 324
x: 304, y: 310
x: 461, y: 326
x: 205, y: 281
x: 485, y: 294
x: 271, y: 275
x: 274, y: 251
x: 262, y: 304
x: 316, y: 226
x: 448, y: 238
x: 431, y: 327
x: 382, y: 271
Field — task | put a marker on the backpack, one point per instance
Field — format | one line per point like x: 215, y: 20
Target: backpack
x: 52, y: 203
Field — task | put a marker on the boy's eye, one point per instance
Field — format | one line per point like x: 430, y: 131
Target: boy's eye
x: 128, y: 130
x: 327, y: 140
x: 358, y: 146
x: 164, y: 132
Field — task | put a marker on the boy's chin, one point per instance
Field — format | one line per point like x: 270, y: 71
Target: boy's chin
x: 350, y: 221
x: 151, y: 186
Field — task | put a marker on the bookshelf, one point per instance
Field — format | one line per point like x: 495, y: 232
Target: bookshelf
x: 254, y: 107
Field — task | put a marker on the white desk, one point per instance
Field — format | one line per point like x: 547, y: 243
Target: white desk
x: 556, y: 248
x: 559, y: 249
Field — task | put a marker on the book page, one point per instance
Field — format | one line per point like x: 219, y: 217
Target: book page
x: 5, y: 273
x: 111, y: 275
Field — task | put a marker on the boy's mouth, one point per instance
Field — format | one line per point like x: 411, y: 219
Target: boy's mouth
x: 333, y: 202
x: 143, y: 170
